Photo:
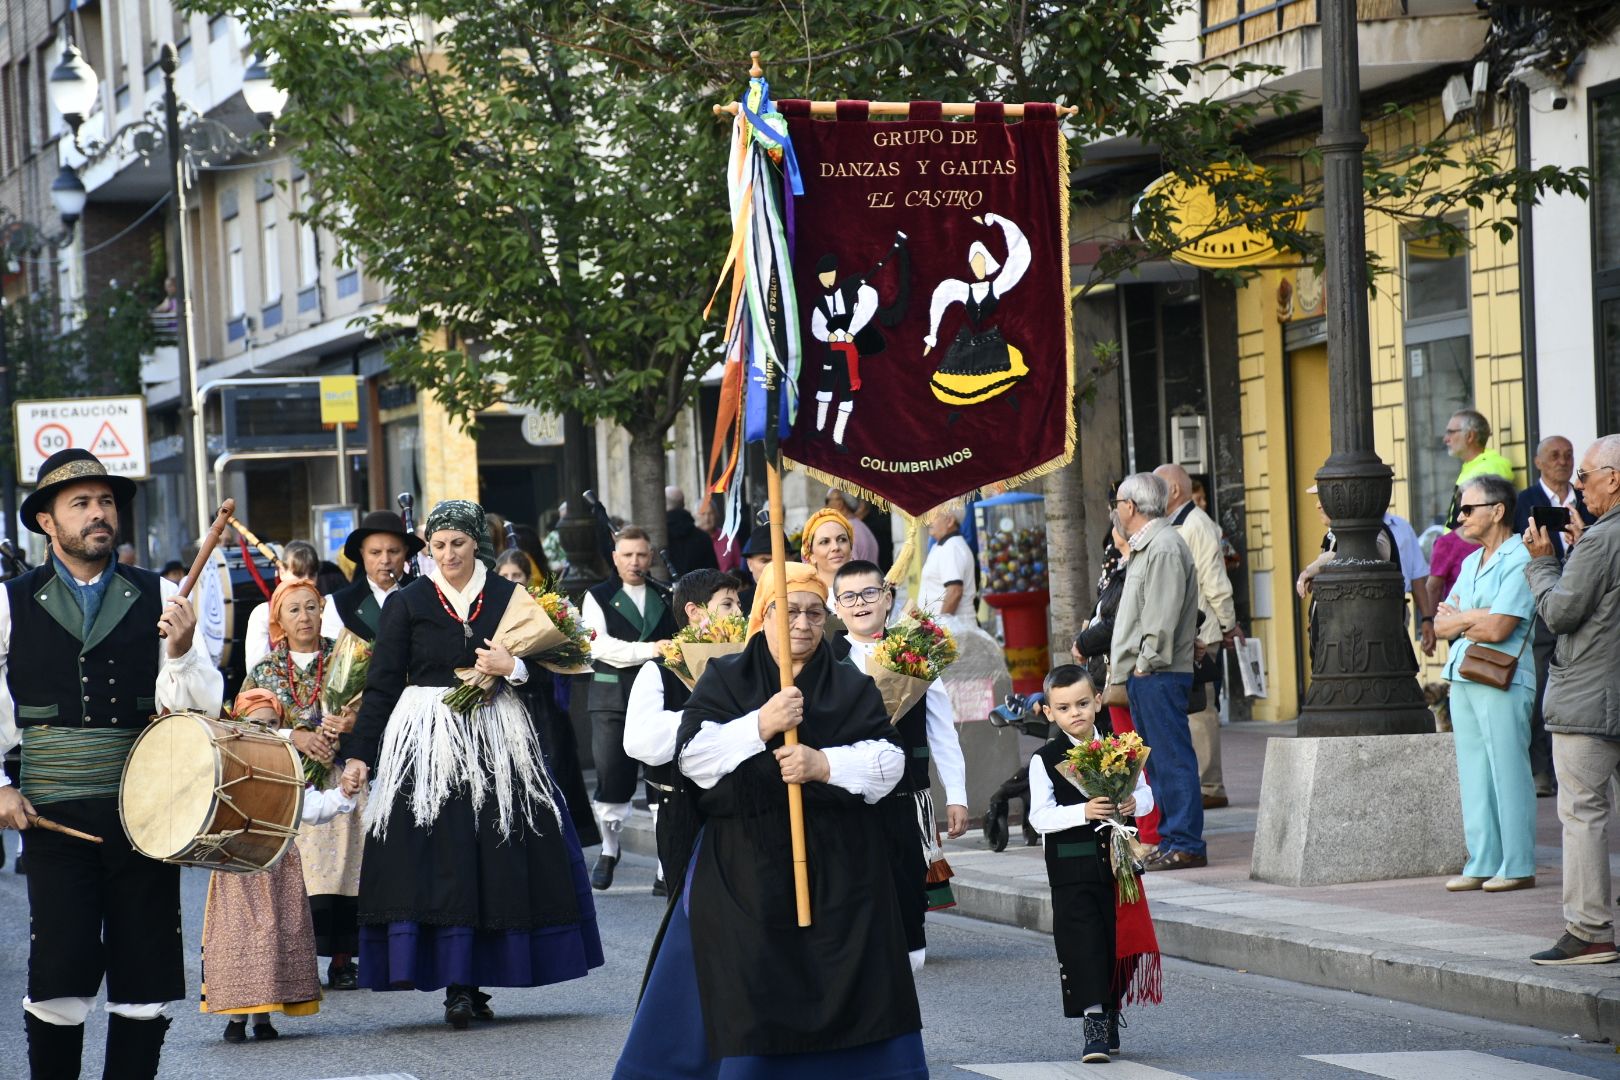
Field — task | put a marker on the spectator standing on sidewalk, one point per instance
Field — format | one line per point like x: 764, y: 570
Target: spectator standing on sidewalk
x: 1467, y: 438
x: 1555, y: 463
x: 1219, y: 626
x: 1152, y: 653
x: 1491, y: 608
x: 1580, y: 602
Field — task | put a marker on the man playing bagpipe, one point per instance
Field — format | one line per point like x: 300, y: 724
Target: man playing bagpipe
x: 652, y: 719
x: 90, y: 651
x: 735, y: 987
x: 927, y: 733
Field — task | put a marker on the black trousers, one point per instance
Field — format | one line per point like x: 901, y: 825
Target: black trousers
x: 616, y: 771
x: 907, y: 865
x: 1540, y: 740
x: 101, y: 910
x: 1083, y: 933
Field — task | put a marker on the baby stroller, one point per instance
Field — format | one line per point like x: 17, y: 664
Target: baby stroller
x: 1019, y: 712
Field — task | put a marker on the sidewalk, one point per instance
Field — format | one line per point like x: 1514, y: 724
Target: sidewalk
x: 1405, y: 940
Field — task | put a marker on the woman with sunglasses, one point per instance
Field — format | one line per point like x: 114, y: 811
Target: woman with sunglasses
x: 1491, y: 607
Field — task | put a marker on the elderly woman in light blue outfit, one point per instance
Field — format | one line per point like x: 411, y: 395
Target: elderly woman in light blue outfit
x: 1491, y: 606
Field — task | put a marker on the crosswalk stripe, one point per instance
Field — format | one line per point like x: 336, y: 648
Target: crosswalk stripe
x: 378, y: 1076
x: 1443, y: 1065
x: 1119, y: 1069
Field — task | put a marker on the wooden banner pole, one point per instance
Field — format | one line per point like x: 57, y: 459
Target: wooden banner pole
x: 784, y: 662
x: 1012, y: 111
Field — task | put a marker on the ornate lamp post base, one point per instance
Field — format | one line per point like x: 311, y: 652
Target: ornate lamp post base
x: 1363, y: 668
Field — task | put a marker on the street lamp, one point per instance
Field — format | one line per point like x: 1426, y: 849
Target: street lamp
x: 68, y: 193
x: 72, y: 89
x: 1363, y: 674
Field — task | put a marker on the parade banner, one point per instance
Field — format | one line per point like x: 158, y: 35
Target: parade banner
x: 930, y: 262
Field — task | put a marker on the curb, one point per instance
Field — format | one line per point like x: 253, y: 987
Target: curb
x: 1485, y: 988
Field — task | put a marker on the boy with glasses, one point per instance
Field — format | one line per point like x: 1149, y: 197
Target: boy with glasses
x: 862, y: 599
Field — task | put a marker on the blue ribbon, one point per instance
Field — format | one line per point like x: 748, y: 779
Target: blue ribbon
x: 790, y: 161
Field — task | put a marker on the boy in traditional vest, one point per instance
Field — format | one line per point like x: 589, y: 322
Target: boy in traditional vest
x: 653, y: 715
x: 1093, y: 969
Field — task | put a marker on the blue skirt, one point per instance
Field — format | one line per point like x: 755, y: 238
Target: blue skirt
x: 667, y: 1042
x: 422, y: 956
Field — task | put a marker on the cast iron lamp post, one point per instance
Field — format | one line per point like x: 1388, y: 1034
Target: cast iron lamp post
x: 73, y: 87
x: 1363, y: 675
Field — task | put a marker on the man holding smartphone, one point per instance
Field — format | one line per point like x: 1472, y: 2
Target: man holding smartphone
x: 1550, y: 502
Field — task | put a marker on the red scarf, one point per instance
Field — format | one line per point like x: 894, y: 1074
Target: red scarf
x: 1138, y: 974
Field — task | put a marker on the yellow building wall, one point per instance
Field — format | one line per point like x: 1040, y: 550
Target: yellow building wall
x: 1498, y: 391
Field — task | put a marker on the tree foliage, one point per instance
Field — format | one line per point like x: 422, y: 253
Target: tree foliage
x: 542, y: 182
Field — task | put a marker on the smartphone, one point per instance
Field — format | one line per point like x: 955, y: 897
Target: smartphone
x: 1552, y: 519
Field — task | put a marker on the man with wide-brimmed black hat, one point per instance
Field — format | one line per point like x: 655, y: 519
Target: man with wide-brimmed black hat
x: 380, y: 549
x: 90, y: 650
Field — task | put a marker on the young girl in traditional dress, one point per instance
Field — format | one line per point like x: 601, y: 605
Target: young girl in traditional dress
x: 1106, y: 951
x: 258, y: 941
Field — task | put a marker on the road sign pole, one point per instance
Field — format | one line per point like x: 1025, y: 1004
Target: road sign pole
x: 343, y: 464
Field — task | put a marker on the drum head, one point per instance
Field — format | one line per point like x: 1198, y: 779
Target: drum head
x: 167, y: 796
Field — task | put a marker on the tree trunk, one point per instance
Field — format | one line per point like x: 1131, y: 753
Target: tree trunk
x: 1077, y: 496
x: 648, y: 471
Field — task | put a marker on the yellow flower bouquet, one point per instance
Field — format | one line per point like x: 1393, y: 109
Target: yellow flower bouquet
x: 690, y: 650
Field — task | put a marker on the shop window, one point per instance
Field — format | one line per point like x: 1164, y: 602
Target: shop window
x: 1439, y: 371
x: 1605, y: 210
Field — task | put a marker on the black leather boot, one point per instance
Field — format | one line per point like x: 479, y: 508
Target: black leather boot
x: 53, y: 1049
x: 133, y: 1047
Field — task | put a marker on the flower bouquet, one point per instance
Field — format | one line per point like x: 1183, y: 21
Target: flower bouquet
x: 1107, y: 766
x: 539, y: 624
x: 690, y: 650
x: 913, y: 653
x: 346, y: 672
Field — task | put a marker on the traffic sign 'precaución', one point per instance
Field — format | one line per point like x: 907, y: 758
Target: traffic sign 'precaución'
x: 112, y: 428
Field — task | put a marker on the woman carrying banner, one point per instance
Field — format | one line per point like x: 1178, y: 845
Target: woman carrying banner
x: 474, y: 876
x: 735, y: 988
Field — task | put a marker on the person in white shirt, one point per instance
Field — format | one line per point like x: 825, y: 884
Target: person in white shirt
x: 949, y: 588
x: 653, y: 716
x: 381, y: 549
x: 632, y: 616
x: 927, y: 733
x: 1085, y: 905
x: 1219, y: 625
x: 299, y: 562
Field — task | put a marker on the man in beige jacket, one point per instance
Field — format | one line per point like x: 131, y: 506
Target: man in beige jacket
x: 1203, y: 538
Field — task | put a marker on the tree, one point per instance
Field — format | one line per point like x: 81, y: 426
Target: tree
x: 538, y: 185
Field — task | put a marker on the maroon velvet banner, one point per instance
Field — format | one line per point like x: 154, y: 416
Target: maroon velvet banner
x: 930, y: 259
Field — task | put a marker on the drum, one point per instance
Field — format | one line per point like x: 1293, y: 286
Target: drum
x: 204, y: 792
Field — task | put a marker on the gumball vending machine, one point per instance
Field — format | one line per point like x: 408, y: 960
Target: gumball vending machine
x: 1013, y: 580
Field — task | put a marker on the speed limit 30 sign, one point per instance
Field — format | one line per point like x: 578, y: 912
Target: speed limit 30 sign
x: 112, y: 428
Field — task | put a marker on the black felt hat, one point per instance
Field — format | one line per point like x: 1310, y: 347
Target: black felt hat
x: 70, y: 467
x: 380, y: 521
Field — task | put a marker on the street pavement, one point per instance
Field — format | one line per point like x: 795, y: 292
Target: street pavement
x: 1409, y: 940
x: 989, y: 1000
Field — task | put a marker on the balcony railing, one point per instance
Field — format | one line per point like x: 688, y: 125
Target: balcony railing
x: 1229, y: 25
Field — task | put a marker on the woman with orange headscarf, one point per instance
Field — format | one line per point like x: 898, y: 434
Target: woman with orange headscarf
x: 827, y: 543
x: 733, y: 988
x: 258, y: 941
x: 294, y: 672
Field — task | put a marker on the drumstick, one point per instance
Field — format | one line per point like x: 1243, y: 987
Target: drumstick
x: 40, y: 821
x: 210, y: 541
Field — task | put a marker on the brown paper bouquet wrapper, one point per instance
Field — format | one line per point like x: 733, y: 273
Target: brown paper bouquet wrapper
x: 697, y: 655
x: 525, y: 629
x: 900, y: 692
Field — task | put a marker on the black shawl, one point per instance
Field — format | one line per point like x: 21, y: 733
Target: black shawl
x: 768, y: 986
